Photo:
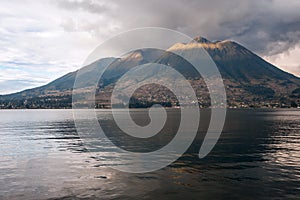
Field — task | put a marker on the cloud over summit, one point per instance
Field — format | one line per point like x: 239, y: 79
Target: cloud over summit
x: 54, y: 37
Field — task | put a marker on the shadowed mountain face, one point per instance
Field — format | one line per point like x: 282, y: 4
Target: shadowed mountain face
x: 249, y: 80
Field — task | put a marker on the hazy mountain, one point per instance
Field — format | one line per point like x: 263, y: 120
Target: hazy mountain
x: 249, y: 80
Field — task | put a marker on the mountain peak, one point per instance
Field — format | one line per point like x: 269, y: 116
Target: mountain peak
x: 200, y: 42
x: 248, y: 79
x: 200, y: 39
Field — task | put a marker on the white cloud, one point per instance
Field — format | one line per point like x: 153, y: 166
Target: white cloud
x: 288, y: 60
x: 43, y: 40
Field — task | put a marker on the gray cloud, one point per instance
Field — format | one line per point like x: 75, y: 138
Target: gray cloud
x: 52, y: 38
x: 96, y: 7
x: 268, y: 27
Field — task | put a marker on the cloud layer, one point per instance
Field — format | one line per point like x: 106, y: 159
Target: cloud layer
x: 42, y: 40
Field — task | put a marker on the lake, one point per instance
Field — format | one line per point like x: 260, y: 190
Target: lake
x: 43, y: 157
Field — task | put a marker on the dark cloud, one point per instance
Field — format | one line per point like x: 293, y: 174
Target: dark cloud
x: 267, y: 26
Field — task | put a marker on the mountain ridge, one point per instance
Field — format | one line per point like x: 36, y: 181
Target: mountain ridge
x: 259, y: 82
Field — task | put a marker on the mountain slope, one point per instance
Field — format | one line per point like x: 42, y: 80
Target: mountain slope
x: 249, y: 80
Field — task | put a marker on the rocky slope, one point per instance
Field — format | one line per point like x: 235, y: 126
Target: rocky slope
x: 250, y: 81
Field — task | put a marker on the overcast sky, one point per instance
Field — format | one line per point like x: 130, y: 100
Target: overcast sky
x: 43, y: 40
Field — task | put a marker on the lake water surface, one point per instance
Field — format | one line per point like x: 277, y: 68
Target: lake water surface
x: 257, y: 156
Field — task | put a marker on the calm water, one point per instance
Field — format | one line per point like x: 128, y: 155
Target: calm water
x: 257, y: 156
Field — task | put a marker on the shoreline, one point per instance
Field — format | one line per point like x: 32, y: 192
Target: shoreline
x: 167, y: 108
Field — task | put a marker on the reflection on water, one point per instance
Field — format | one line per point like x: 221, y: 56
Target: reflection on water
x: 257, y: 156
